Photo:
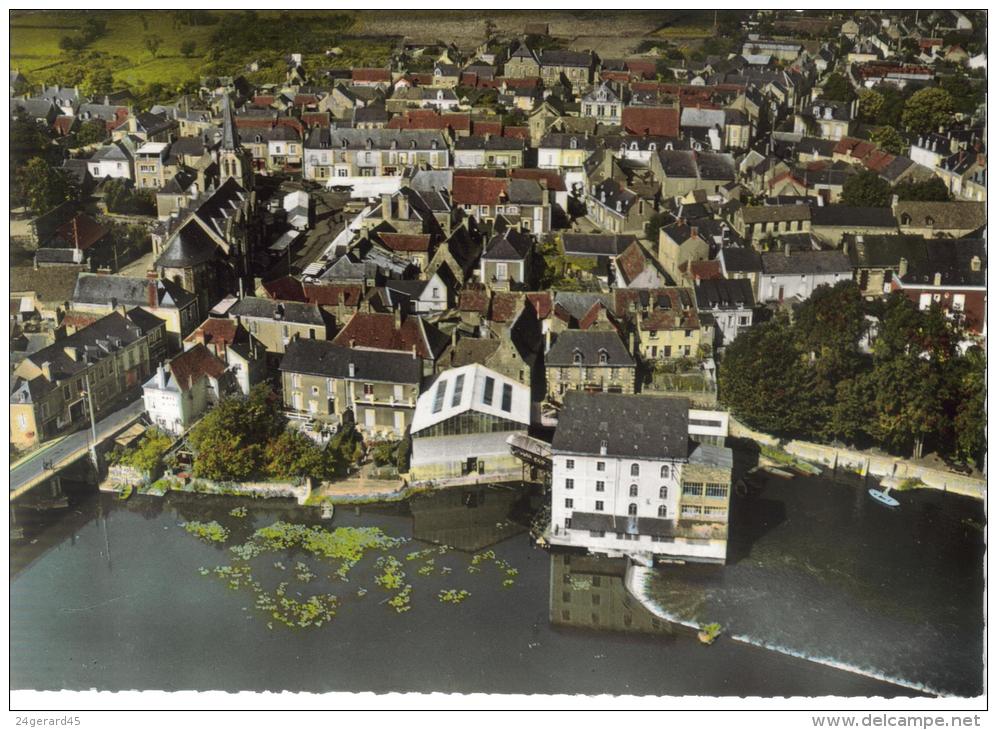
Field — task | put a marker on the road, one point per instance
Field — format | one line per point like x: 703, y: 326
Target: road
x: 71, y: 446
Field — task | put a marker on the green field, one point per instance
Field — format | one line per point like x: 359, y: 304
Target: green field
x: 34, y: 45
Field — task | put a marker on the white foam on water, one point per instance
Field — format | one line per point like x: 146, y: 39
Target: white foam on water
x: 636, y: 583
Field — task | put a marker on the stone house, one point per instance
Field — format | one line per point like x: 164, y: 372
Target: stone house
x: 180, y: 392
x: 277, y: 323
x: 665, y: 321
x: 322, y: 380
x: 591, y: 361
x: 507, y: 261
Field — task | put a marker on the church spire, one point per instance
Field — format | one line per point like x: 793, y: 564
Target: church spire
x: 229, y: 139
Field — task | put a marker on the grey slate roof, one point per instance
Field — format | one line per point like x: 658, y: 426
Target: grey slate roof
x: 590, y: 343
x: 130, y: 290
x: 328, y: 360
x: 847, y: 215
x: 190, y: 246
x: 295, y: 312
x: 595, y: 244
x: 631, y: 426
x: 510, y: 245
x: 805, y: 262
x: 724, y: 294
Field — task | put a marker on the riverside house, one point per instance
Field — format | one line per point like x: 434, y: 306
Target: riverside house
x: 638, y: 476
x: 322, y: 380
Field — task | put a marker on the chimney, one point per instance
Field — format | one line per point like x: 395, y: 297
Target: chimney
x: 151, y: 293
x: 786, y: 249
x: 161, y: 376
x: 47, y: 370
x: 902, y: 268
x: 630, y: 340
x: 938, y: 279
x: 398, y: 317
x: 976, y: 264
x: 603, y: 446
x: 415, y: 354
x: 352, y: 370
x: 386, y: 206
x: 402, y: 207
x: 693, y: 232
x: 352, y: 343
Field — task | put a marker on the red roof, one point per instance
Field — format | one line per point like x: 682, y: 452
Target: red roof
x: 552, y: 178
x: 286, y: 287
x: 431, y: 119
x: 63, y: 124
x: 263, y: 100
x: 481, y: 127
x: 473, y: 300
x: 531, y: 82
x: 329, y: 294
x: 542, y: 302
x: 410, y: 242
x: 313, y: 119
x: 377, y: 331
x: 371, y: 75
x: 305, y: 99
x: 656, y: 121
x: 632, y: 261
x: 591, y: 316
x: 478, y: 190
x: 81, y: 232
x: 194, y: 364
x: 217, y: 332
x: 517, y: 132
x: 268, y: 122
x: 505, y: 306
x: 641, y: 66
x: 705, y: 270
x: 79, y: 320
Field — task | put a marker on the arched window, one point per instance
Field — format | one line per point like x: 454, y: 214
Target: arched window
x: 632, y: 509
x: 663, y: 493
x: 578, y: 357
x: 662, y: 511
x: 633, y: 490
x: 603, y: 357
x: 574, y: 143
x: 664, y: 471
x: 635, y: 470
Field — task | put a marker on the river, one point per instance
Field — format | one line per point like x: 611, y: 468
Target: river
x: 110, y: 595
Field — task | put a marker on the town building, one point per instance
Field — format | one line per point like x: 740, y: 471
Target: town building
x: 632, y: 477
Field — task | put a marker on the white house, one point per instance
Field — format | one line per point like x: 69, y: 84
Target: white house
x: 420, y: 297
x: 462, y: 423
x: 641, y: 476
x: 111, y: 160
x: 297, y: 205
x: 790, y: 274
x: 177, y: 395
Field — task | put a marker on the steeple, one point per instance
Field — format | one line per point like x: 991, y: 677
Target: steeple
x: 229, y: 139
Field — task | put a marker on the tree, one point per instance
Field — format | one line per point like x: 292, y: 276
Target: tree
x: 91, y: 132
x: 187, y: 48
x: 966, y: 96
x: 871, y: 104
x: 888, y: 139
x: 29, y: 140
x: 838, y: 88
x: 152, y: 43
x: 97, y: 82
x: 655, y: 223
x: 148, y: 455
x: 933, y: 188
x: 293, y: 454
x: 928, y: 109
x: 892, y: 108
x: 42, y: 186
x: 866, y: 189
x: 970, y: 425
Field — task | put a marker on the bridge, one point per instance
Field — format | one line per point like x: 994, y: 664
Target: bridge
x: 47, y: 461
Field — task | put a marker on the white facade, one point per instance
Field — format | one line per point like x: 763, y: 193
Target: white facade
x: 99, y: 169
x: 171, y: 409
x: 779, y: 287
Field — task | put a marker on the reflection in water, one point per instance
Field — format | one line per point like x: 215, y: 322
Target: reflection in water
x: 588, y: 592
x: 471, y: 518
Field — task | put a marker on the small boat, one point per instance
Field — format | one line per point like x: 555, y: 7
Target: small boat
x: 883, y: 497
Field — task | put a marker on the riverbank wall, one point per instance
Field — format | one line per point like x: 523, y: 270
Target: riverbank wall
x: 866, y: 463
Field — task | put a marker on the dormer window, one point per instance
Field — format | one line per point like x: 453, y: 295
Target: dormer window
x: 370, y: 143
x: 434, y: 144
x: 573, y: 144
x: 394, y: 144
x: 928, y: 220
x: 577, y: 357
x: 633, y: 145
x: 652, y: 147
x: 344, y: 143
x: 905, y: 219
x: 259, y: 138
x: 603, y: 357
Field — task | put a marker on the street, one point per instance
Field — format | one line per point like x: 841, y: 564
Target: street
x: 71, y: 446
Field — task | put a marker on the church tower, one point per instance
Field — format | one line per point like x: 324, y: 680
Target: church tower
x: 233, y: 160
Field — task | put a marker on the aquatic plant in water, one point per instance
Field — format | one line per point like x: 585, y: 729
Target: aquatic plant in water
x: 452, y: 595
x: 238, y: 512
x: 210, y: 531
x: 392, y: 576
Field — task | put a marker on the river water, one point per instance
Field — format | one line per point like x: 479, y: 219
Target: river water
x: 111, y: 596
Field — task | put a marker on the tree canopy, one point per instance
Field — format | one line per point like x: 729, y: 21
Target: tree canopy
x: 928, y: 109
x: 814, y: 378
x: 838, y: 88
x: 866, y: 189
x: 931, y: 189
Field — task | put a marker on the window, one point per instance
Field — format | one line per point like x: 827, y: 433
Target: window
x: 691, y: 510
x: 632, y: 509
x: 506, y: 397
x: 569, y: 483
x: 716, y: 490
x: 577, y: 358
x: 569, y: 464
x: 600, y: 486
x: 489, y: 390
x: 662, y: 511
x: 458, y: 391
x: 567, y: 523
x: 501, y: 271
x: 633, y: 490
x: 596, y: 599
x: 599, y: 505
x: 441, y: 391
x: 368, y: 389
x: 597, y: 533
x: 569, y: 503
x: 635, y: 470
x: 692, y: 489
x: 600, y: 465
x: 436, y: 292
x: 664, y: 471
x: 314, y: 390
x: 715, y: 512
x: 663, y: 493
